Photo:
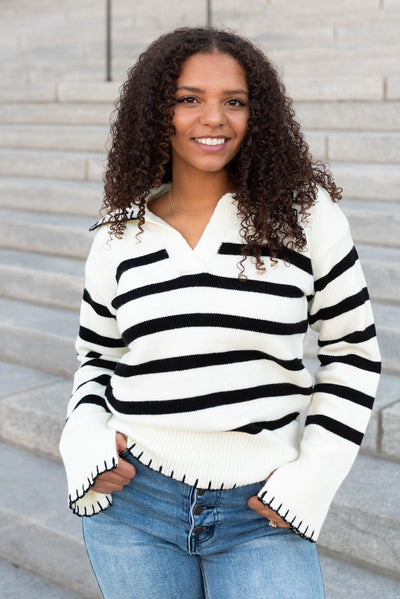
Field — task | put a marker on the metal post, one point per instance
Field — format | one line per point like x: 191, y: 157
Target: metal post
x: 108, y: 41
x: 209, y: 15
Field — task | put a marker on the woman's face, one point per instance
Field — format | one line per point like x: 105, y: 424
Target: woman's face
x: 210, y: 114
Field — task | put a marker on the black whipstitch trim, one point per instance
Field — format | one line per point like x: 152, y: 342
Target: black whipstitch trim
x: 91, y: 481
x: 294, y: 528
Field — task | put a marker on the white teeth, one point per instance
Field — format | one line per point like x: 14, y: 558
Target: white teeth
x: 209, y: 141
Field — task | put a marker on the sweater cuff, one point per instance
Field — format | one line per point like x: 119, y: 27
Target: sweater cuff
x: 301, y: 495
x: 88, y: 449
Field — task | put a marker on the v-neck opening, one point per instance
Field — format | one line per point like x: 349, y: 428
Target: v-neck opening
x: 185, y: 258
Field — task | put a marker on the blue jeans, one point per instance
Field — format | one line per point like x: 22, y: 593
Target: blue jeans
x: 163, y: 539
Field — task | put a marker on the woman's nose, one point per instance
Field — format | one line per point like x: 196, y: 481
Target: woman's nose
x: 213, y: 114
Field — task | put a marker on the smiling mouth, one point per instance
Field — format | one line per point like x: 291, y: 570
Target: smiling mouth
x: 211, y: 141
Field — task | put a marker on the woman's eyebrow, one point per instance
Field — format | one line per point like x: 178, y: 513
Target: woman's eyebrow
x: 226, y: 92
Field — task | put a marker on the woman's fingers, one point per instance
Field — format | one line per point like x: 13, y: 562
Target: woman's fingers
x: 255, y: 504
x: 119, y: 477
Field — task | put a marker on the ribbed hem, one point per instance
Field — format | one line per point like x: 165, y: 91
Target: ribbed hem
x: 210, y: 460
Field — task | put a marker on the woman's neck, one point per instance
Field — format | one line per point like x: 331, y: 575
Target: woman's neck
x: 198, y: 191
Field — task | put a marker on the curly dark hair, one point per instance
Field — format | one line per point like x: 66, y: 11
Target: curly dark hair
x: 273, y: 175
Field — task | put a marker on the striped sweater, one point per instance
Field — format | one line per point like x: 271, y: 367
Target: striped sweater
x: 203, y: 372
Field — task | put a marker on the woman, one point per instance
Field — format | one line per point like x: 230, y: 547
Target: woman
x: 221, y: 242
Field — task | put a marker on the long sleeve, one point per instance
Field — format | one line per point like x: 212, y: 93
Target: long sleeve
x: 345, y: 383
x: 87, y: 445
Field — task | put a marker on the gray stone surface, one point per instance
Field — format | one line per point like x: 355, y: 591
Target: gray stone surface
x: 374, y: 61
x: 393, y: 87
x: 51, y: 196
x: 391, y: 430
x: 364, y: 520
x: 345, y: 581
x: 38, y: 337
x: 54, y: 137
x: 42, y: 279
x: 349, y: 116
x: 374, y: 223
x: 44, y: 163
x: 37, y: 530
x: 62, y: 235
x: 368, y: 181
x: 382, y: 272
x: 17, y: 583
x: 34, y: 419
x: 17, y: 379
x: 57, y: 113
x: 333, y: 89
x: 364, y: 147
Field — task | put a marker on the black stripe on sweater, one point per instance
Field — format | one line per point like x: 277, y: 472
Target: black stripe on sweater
x: 92, y: 337
x: 356, y: 337
x: 202, y: 402
x: 295, y: 258
x: 140, y: 261
x: 98, y: 308
x: 208, y: 280
x: 351, y: 360
x: 93, y: 399
x: 339, y: 268
x: 271, y: 425
x: 349, y: 303
x: 180, y: 363
x: 102, y: 379
x: 348, y: 393
x: 100, y: 363
x: 338, y: 428
x: 227, y: 321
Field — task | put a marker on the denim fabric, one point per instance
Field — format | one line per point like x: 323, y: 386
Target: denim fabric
x: 164, y: 539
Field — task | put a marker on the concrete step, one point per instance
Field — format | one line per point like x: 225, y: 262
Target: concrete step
x: 354, y: 146
x: 82, y: 198
x: 357, y: 64
x: 334, y: 89
x: 41, y: 279
x: 38, y: 337
x: 374, y: 223
x: 368, y: 181
x: 363, y: 524
x: 387, y: 318
x: 62, y: 235
x: 33, y: 418
x: 363, y: 146
x: 38, y: 531
x: 349, y: 116
x: 382, y: 271
x: 56, y: 113
x: 17, y: 583
x: 345, y: 581
x: 51, y: 164
x: 35, y: 503
x: 82, y: 138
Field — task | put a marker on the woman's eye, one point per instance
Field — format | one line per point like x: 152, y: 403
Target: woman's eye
x: 187, y: 100
x: 236, y: 103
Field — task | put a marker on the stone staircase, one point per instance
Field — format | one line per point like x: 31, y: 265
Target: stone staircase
x: 342, y: 67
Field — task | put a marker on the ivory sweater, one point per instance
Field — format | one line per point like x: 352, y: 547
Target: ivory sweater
x: 203, y: 372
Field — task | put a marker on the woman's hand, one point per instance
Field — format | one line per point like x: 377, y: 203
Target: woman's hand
x: 255, y: 504
x: 266, y: 512
x: 119, y: 477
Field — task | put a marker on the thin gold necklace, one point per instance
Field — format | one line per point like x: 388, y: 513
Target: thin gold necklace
x: 173, y: 209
